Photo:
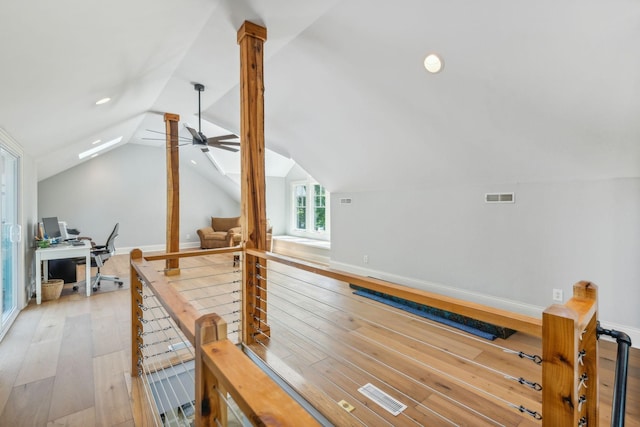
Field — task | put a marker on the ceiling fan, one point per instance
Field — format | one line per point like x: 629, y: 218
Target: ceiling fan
x: 198, y: 138
x: 217, y: 141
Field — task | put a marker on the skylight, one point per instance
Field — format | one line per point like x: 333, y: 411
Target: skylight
x: 99, y: 148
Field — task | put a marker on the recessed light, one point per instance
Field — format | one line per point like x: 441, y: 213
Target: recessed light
x: 103, y: 101
x: 433, y: 63
x: 94, y: 155
x: 194, y: 162
x: 97, y: 141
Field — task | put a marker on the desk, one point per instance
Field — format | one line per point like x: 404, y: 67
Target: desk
x: 61, y: 251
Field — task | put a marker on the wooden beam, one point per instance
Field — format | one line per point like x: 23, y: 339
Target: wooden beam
x: 569, y: 351
x: 173, y: 192
x: 209, y: 406
x: 251, y: 38
x: 136, y: 313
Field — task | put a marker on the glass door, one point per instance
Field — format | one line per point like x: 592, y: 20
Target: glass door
x: 10, y: 236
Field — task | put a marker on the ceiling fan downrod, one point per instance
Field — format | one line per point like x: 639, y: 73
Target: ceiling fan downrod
x: 200, y: 88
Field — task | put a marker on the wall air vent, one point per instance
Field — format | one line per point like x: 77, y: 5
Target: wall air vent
x: 500, y: 197
x: 345, y: 201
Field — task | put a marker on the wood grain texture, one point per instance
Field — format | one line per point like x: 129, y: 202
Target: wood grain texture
x: 253, y: 218
x: 173, y: 190
x: 259, y: 397
x: 295, y: 357
x: 111, y: 394
x: 522, y: 323
x: 209, y: 406
x: 73, y: 387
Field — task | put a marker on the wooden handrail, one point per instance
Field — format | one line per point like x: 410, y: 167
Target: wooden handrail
x: 187, y: 254
x: 263, y: 401
x: 220, y: 365
x: 176, y: 305
x: 525, y: 324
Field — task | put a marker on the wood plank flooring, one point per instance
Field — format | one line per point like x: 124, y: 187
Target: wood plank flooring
x: 66, y: 362
x: 335, y: 342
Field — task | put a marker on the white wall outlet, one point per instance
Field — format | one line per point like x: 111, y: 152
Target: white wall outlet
x: 557, y: 295
x: 188, y: 236
x: 365, y: 259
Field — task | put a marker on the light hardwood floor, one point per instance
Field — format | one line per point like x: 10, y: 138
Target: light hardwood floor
x: 324, y: 337
x: 66, y: 362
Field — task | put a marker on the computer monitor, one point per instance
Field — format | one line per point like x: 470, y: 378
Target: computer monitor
x: 51, y: 227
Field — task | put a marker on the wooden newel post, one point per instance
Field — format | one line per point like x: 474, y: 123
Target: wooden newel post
x: 570, y: 390
x: 136, y: 315
x: 173, y: 192
x: 251, y: 38
x: 209, y: 406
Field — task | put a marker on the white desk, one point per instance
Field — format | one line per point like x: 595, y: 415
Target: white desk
x: 61, y: 251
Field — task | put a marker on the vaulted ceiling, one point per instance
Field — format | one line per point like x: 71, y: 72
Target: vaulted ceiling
x: 530, y: 91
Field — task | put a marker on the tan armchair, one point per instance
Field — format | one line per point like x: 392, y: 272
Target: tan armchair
x: 220, y: 234
x: 236, y: 237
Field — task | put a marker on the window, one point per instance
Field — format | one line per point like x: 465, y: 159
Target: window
x: 300, y: 192
x: 310, y: 209
x: 319, y: 208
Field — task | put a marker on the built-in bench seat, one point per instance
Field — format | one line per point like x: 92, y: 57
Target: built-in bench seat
x: 301, y: 247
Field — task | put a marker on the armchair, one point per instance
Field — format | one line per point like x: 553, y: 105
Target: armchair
x: 220, y: 234
x: 236, y: 236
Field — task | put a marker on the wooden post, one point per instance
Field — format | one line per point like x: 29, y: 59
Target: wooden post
x: 569, y: 356
x: 136, y: 314
x: 173, y: 192
x: 251, y: 38
x: 209, y: 406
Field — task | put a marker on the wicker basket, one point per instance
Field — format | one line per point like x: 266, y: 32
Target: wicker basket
x: 51, y: 289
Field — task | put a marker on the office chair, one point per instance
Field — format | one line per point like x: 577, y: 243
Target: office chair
x: 100, y: 254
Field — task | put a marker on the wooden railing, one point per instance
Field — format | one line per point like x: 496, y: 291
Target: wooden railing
x: 568, y: 332
x: 220, y: 366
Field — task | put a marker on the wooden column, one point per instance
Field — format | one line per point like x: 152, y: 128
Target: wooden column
x: 136, y: 314
x: 251, y: 38
x: 209, y: 406
x: 570, y: 353
x: 173, y: 192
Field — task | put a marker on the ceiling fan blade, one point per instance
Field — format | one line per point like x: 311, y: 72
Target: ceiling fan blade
x: 215, y: 144
x: 221, y: 138
x: 184, y: 138
x: 197, y: 139
x: 235, y: 150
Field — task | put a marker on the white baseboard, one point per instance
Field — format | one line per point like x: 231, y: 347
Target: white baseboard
x: 634, y: 333
x: 502, y: 303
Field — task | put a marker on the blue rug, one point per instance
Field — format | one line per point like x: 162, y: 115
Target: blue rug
x: 430, y: 313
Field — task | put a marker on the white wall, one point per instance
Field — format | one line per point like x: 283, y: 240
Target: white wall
x: 128, y: 185
x: 276, y: 201
x: 510, y: 255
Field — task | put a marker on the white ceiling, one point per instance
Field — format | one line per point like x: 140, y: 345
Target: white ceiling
x: 531, y: 91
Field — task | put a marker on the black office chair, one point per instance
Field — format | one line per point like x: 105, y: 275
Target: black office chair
x: 100, y: 254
